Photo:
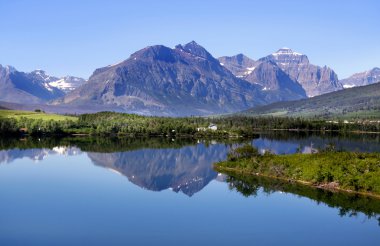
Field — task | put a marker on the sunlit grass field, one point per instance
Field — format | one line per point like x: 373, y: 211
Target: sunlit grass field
x: 18, y: 114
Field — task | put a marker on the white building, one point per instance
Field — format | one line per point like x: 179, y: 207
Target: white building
x: 213, y: 127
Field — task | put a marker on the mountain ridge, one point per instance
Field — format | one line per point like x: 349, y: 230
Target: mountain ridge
x: 358, y: 102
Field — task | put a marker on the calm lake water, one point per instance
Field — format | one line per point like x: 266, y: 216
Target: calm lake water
x: 82, y: 191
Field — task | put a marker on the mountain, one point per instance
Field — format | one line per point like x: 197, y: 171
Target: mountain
x: 20, y: 87
x: 67, y: 83
x: 358, y: 102
x: 364, y: 78
x: 186, y: 80
x: 240, y: 65
x: 315, y: 80
x: 158, y: 80
x: 35, y: 87
x: 278, y: 85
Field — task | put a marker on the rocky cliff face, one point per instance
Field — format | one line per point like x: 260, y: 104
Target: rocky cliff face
x: 360, y: 79
x: 315, y: 80
x: 158, y: 80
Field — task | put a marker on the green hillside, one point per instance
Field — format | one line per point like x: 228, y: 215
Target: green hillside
x: 354, y: 103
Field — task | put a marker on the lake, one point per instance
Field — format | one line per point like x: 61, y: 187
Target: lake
x: 120, y: 191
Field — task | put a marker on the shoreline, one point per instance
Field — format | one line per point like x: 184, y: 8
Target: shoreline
x: 323, y: 186
x: 217, y: 134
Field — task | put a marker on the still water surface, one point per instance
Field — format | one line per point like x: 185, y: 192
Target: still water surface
x: 165, y: 192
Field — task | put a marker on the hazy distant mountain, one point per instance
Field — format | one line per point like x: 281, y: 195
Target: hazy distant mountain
x: 365, y: 78
x: 35, y: 87
x: 27, y: 88
x: 358, y: 102
x: 315, y: 80
x: 162, y: 81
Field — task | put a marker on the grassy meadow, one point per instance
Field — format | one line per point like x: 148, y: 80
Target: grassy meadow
x: 18, y: 114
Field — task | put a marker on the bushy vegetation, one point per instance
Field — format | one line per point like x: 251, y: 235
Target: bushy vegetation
x: 328, y: 169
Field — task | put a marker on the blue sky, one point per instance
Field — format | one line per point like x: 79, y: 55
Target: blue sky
x: 76, y: 37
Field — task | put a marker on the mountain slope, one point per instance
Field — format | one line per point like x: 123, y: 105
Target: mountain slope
x: 364, y: 78
x: 361, y: 102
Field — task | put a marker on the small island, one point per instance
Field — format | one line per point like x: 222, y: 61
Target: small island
x: 328, y: 169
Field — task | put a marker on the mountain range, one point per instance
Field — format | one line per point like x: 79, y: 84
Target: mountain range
x: 186, y: 80
x: 34, y: 87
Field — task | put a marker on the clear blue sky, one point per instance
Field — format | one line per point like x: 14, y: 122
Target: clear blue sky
x: 76, y: 37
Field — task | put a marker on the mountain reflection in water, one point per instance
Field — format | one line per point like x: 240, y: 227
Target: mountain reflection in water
x: 182, y: 165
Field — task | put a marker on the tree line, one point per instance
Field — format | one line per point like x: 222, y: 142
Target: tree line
x: 111, y: 123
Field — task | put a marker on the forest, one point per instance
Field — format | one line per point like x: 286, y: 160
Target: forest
x: 111, y: 123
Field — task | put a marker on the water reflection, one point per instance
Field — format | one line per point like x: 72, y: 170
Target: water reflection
x: 346, y: 203
x: 182, y: 165
x: 187, y: 169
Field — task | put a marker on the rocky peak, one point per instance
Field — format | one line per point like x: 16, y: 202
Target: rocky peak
x: 156, y: 52
x: 285, y: 56
x: 195, y: 49
x: 40, y: 75
x: 286, y: 51
x: 240, y: 65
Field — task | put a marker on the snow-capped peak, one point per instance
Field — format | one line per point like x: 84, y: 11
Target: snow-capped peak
x: 42, y: 74
x: 67, y: 83
x: 286, y: 51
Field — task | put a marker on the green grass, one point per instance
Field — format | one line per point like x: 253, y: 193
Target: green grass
x: 359, y: 172
x: 18, y: 114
